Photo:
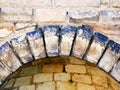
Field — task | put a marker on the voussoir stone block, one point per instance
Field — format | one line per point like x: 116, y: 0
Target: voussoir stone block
x: 97, y: 48
x: 82, y: 40
x: 35, y: 39
x: 110, y: 56
x: 4, y: 72
x: 51, y: 35
x: 67, y: 36
x: 8, y: 57
x: 21, y: 47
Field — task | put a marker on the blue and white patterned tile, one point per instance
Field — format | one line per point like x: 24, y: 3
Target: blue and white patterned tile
x: 82, y: 40
x: 116, y: 71
x: 8, y: 57
x: 4, y: 72
x: 110, y: 56
x: 22, y: 48
x: 97, y: 48
x: 35, y: 39
x: 51, y: 35
x: 67, y: 36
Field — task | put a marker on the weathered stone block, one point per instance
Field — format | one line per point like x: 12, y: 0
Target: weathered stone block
x: 97, y: 47
x: 85, y: 87
x: 27, y: 87
x: 83, y: 15
x: 16, y: 14
x: 8, y: 57
x: 23, y: 81
x: 82, y: 78
x: 21, y: 47
x: 100, y: 81
x: 42, y: 78
x: 51, y: 34
x: 53, y: 68
x: 110, y: 56
x: 67, y: 36
x: 77, y: 3
x: 116, y: 71
x: 110, y: 16
x: 62, y: 77
x: 116, y: 3
x: 82, y: 40
x: 4, y: 72
x: 50, y: 15
x: 46, y: 86
x: 75, y: 68
x: 35, y: 39
x: 65, y: 86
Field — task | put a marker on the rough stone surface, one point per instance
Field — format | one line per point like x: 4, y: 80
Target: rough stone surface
x: 100, y: 81
x: 46, y: 86
x: 75, y: 68
x: 111, y: 15
x: 62, y: 77
x: 83, y: 15
x: 85, y: 87
x: 97, y: 47
x: 65, y: 86
x: 110, y: 57
x: 52, y: 68
x: 42, y: 78
x: 23, y: 81
x: 77, y: 3
x: 16, y: 14
x: 67, y: 36
x: 27, y: 87
x: 82, y: 41
x: 82, y: 79
x: 27, y: 3
x: 50, y: 15
x: 51, y: 34
x: 116, y: 3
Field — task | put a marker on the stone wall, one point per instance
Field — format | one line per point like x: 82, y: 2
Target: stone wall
x: 100, y: 15
x: 60, y: 73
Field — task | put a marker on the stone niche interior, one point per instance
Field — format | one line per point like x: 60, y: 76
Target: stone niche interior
x: 62, y: 57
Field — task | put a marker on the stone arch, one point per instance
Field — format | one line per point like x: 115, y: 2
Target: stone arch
x: 64, y: 40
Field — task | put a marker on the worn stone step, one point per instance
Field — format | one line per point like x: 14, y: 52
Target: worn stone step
x: 97, y: 48
x: 110, y: 56
x: 35, y: 39
x: 51, y: 35
x: 82, y: 41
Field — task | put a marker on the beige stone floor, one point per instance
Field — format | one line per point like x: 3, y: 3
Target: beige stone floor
x: 60, y: 73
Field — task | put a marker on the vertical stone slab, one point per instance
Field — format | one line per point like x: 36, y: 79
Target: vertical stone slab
x: 4, y: 72
x: 8, y: 58
x: 67, y: 36
x: 51, y: 35
x: 35, y: 39
x: 21, y: 47
x: 82, y: 40
x: 110, y: 56
x: 97, y: 47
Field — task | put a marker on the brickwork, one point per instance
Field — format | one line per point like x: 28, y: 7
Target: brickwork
x: 63, y: 80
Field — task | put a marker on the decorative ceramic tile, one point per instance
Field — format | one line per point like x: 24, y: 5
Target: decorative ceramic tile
x: 97, y: 48
x: 8, y: 58
x: 35, y: 39
x: 82, y: 40
x: 4, y: 72
x: 51, y: 34
x: 110, y: 56
x: 21, y: 47
x: 67, y: 37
